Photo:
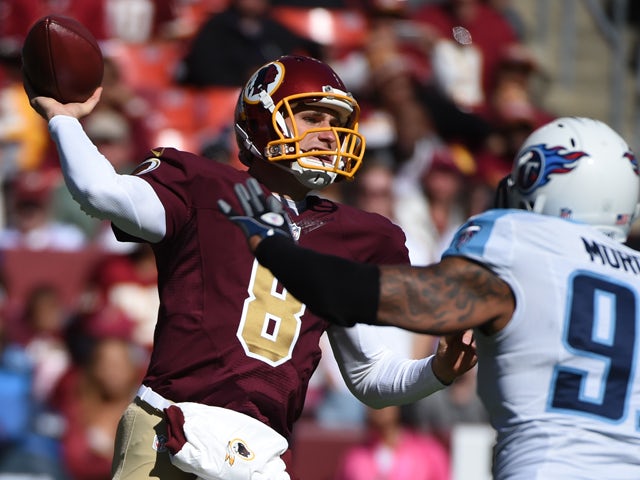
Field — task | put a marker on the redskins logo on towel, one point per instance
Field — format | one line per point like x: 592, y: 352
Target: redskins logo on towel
x: 238, y: 447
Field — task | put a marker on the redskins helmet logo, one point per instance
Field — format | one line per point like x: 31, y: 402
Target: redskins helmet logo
x: 267, y: 79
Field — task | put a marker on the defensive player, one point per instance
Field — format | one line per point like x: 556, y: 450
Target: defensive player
x: 552, y: 294
x: 228, y: 337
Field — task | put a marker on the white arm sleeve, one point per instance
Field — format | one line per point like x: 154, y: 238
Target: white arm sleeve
x: 375, y: 374
x: 126, y: 200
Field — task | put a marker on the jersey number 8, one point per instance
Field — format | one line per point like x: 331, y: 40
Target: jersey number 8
x: 270, y: 321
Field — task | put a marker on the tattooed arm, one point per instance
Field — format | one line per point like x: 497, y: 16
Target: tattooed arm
x: 455, y: 294
x: 452, y: 295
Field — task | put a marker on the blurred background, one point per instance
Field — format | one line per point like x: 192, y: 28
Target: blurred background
x: 448, y: 89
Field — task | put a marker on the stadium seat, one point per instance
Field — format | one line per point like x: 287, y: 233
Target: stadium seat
x: 147, y: 66
x: 22, y: 270
x: 216, y: 106
x: 174, y: 120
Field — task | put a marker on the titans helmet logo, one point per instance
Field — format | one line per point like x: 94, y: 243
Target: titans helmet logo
x: 538, y: 162
x: 266, y: 79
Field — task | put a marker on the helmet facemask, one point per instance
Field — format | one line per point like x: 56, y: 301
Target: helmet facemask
x: 266, y: 127
x: 316, y: 168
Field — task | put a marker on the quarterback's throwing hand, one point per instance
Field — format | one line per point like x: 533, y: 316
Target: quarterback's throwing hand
x: 261, y: 217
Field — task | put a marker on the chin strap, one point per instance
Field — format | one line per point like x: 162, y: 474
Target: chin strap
x: 314, y: 179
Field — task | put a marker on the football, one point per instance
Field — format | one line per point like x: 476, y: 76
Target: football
x: 62, y: 59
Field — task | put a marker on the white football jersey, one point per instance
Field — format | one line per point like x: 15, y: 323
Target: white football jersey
x: 561, y: 381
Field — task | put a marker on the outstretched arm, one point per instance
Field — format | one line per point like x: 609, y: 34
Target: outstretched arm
x: 379, y: 376
x: 453, y: 295
x: 448, y: 296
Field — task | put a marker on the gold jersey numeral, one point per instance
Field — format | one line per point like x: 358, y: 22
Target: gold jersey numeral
x: 270, y: 322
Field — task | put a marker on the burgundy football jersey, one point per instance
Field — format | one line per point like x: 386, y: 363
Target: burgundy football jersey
x: 227, y: 333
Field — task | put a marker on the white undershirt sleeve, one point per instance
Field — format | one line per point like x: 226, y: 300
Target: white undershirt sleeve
x: 126, y: 200
x: 375, y: 374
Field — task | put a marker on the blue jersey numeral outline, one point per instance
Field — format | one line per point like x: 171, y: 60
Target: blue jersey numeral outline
x: 616, y: 349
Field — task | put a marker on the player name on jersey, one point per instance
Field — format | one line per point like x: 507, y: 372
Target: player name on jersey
x: 612, y: 257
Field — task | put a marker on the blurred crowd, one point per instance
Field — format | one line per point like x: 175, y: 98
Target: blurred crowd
x: 448, y: 90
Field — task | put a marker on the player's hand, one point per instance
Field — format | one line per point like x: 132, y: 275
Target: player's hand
x: 48, y: 107
x: 456, y: 355
x: 261, y: 217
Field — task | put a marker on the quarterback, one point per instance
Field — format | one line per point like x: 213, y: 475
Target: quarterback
x: 233, y: 351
